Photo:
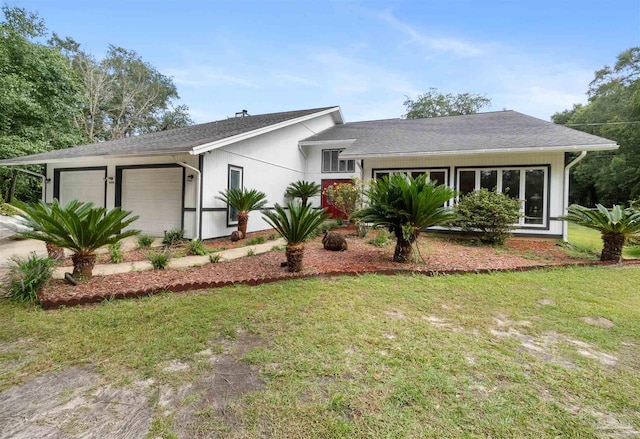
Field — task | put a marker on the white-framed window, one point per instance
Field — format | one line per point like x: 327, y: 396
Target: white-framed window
x: 234, y: 181
x: 440, y: 176
x: 332, y: 163
x: 526, y: 183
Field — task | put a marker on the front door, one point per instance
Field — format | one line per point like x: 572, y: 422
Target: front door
x: 335, y: 213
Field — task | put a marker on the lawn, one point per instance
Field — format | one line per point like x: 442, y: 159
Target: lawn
x: 498, y: 355
x: 589, y: 241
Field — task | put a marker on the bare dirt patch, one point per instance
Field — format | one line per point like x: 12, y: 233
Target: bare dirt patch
x: 72, y: 404
x: 598, y: 321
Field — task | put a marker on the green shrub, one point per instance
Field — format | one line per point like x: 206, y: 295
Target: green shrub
x: 6, y: 209
x: 328, y: 226
x: 159, y: 260
x: 273, y: 237
x: 145, y: 241
x: 173, y: 237
x: 250, y: 252
x: 491, y: 214
x: 115, y: 254
x: 27, y: 275
x: 214, y: 257
x: 197, y: 247
x: 381, y: 239
x: 256, y: 240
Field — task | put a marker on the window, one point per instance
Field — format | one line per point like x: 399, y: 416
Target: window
x: 437, y: 175
x: 332, y: 163
x: 234, y: 182
x: 527, y: 183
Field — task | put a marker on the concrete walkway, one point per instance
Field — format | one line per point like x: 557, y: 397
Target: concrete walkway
x: 177, y: 263
x: 22, y: 248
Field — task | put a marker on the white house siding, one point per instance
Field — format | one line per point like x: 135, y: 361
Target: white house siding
x: 314, y: 165
x: 555, y: 161
x: 188, y: 214
x: 270, y: 162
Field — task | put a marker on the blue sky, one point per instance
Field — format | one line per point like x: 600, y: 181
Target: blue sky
x: 536, y: 57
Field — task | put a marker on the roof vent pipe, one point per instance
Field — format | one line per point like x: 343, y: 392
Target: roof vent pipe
x: 243, y: 113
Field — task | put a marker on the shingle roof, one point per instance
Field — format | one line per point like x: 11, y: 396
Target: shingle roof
x: 174, y: 141
x: 481, y: 132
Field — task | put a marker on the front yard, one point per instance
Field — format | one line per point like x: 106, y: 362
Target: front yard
x: 550, y: 353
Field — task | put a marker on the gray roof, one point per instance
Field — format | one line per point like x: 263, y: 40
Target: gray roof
x: 501, y: 131
x: 174, y: 141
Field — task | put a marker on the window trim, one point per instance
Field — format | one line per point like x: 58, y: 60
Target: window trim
x: 546, y: 206
x: 337, y: 171
x: 446, y: 170
x: 239, y: 169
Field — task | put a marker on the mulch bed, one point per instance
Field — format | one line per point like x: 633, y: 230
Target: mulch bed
x: 441, y: 255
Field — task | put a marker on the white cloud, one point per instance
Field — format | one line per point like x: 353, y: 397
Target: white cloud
x: 432, y: 43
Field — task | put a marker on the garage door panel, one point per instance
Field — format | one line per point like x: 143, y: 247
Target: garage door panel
x: 155, y: 194
x: 86, y: 186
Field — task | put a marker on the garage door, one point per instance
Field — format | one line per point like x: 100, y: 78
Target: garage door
x: 83, y: 185
x: 155, y: 194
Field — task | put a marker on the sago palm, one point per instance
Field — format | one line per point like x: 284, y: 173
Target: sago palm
x: 295, y: 227
x: 244, y: 201
x: 304, y: 190
x: 615, y: 226
x: 405, y: 206
x: 78, y: 226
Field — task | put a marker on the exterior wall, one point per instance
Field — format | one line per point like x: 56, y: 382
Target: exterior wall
x: 270, y: 162
x: 112, y: 163
x: 555, y: 162
x: 314, y: 167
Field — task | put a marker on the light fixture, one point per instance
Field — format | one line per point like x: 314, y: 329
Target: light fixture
x: 47, y: 180
x: 109, y: 179
x: 190, y: 177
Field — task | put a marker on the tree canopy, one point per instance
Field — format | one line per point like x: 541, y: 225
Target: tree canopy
x: 613, y: 112
x: 54, y: 95
x: 434, y: 103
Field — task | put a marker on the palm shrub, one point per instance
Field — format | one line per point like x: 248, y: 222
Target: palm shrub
x: 615, y: 226
x: 78, y: 226
x: 197, y: 247
x: 304, y: 190
x: 244, y: 201
x: 295, y: 227
x: 405, y: 205
x: 492, y: 214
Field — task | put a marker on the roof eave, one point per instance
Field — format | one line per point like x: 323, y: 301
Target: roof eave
x: 602, y: 147
x: 94, y: 157
x: 205, y: 147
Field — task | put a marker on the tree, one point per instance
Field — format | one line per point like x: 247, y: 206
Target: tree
x: 295, y: 228
x: 78, y: 226
x: 613, y: 112
x: 244, y: 201
x: 615, y: 225
x: 39, y: 97
x: 433, y: 104
x: 405, y: 206
x: 303, y: 190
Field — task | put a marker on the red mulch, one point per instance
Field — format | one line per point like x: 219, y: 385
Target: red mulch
x: 441, y: 255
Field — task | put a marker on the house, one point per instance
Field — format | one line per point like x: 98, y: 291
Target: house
x: 171, y: 178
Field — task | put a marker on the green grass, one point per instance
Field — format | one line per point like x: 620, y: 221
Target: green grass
x: 493, y: 355
x: 589, y: 241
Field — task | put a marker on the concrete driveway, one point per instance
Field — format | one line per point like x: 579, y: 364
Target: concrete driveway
x: 11, y: 246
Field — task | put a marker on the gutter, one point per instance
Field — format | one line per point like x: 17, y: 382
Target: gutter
x: 198, y: 208
x: 565, y: 201
x: 44, y: 181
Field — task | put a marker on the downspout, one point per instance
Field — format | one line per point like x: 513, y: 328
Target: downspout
x: 199, y: 175
x: 44, y: 181
x: 306, y: 160
x: 565, y: 203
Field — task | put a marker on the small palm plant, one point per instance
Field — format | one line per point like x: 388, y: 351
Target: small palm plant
x: 244, y: 201
x: 405, y: 206
x: 295, y: 228
x: 615, y: 225
x: 304, y: 190
x: 78, y: 226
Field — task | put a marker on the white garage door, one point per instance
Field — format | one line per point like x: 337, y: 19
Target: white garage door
x: 155, y: 194
x: 85, y: 185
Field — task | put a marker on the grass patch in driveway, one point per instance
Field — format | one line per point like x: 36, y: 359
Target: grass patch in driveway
x: 499, y: 355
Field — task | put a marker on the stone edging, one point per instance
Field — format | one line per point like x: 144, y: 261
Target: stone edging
x: 180, y: 287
